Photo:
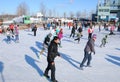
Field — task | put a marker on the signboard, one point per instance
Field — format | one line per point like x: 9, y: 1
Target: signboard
x: 103, y: 17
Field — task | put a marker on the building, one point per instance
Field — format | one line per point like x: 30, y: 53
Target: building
x: 108, y: 10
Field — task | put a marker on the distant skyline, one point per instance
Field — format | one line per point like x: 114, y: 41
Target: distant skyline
x: 60, y: 6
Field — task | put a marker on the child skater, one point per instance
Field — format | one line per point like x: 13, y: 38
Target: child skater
x: 104, y: 41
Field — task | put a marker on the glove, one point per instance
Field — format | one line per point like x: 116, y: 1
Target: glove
x: 94, y: 53
x: 89, y: 52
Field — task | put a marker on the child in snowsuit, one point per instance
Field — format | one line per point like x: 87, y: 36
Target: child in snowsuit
x: 104, y: 41
x: 60, y: 36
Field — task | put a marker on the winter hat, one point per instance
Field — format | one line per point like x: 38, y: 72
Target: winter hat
x: 94, y: 36
x: 55, y: 38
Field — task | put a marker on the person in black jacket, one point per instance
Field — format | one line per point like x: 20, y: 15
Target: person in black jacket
x: 34, y: 30
x: 52, y: 53
x: 46, y: 43
x: 89, y: 49
x: 79, y: 34
x: 72, y: 32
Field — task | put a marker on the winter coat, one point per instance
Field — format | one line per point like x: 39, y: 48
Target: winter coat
x: 60, y: 35
x: 11, y: 26
x: 52, y: 52
x: 73, y: 29
x: 34, y: 29
x: 8, y: 33
x: 80, y: 29
x: 90, y: 30
x: 112, y: 28
x: 104, y: 40
x: 47, y: 40
x: 90, y: 46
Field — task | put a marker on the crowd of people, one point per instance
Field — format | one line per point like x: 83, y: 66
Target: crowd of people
x: 53, y: 40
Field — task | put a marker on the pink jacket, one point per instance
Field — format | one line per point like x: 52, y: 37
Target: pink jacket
x: 112, y: 28
x: 60, y: 35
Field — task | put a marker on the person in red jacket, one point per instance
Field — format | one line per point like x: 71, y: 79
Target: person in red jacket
x: 112, y: 29
x: 90, y: 31
x: 11, y: 26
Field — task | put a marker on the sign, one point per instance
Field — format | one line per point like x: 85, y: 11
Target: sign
x: 103, y: 17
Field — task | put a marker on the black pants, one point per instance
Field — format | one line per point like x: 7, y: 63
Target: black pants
x: 87, y: 56
x: 72, y: 34
x: 34, y: 33
x: 78, y: 39
x: 52, y: 68
x: 90, y: 35
x: 111, y: 33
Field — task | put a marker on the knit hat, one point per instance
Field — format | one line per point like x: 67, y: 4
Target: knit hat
x: 94, y: 36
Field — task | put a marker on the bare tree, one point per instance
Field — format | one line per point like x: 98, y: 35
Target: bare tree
x: 64, y: 14
x: 71, y: 15
x: 22, y: 9
x: 90, y: 14
x: 57, y: 14
x: 43, y: 9
x: 78, y: 14
x: 50, y: 13
x: 84, y: 14
x: 54, y: 12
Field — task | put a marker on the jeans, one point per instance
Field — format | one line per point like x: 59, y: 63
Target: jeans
x: 87, y: 57
x: 16, y: 37
x: 8, y: 39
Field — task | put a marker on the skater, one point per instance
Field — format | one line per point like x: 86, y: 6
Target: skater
x: 78, y: 37
x: 104, y: 41
x: 69, y: 25
x: 111, y: 30
x: 34, y: 30
x: 89, y: 49
x: 99, y: 27
x: 11, y: 26
x: 80, y: 29
x: 60, y: 36
x: 79, y: 34
x: 52, y: 53
x: 8, y: 34
x: 72, y: 32
x: 46, y: 43
x: 90, y: 31
x: 16, y: 32
x: 118, y: 29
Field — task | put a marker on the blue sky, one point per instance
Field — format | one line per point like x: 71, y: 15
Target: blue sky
x: 9, y: 6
